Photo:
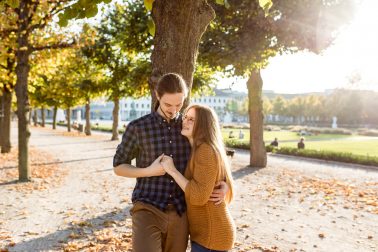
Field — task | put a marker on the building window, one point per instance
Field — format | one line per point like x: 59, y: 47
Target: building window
x: 142, y: 105
x: 148, y: 105
x: 125, y: 105
x: 204, y: 100
x: 137, y: 105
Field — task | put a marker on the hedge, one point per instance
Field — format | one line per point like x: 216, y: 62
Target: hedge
x: 318, y: 154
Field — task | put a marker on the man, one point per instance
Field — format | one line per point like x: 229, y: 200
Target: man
x: 301, y: 144
x: 275, y: 142
x: 159, y: 210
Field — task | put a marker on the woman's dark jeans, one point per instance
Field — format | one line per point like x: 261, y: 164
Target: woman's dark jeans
x: 199, y: 248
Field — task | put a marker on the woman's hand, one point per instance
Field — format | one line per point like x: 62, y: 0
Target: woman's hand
x: 168, y: 165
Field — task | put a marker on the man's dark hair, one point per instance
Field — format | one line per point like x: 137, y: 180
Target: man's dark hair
x: 170, y: 83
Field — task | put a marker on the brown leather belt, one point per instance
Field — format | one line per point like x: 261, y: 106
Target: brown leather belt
x: 170, y: 207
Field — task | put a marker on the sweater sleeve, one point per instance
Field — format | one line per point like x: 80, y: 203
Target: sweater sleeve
x: 205, y: 171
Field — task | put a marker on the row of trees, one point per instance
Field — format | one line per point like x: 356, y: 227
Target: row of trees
x: 351, y: 107
x: 133, y: 46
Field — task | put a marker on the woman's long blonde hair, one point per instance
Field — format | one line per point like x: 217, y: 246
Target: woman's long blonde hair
x: 206, y: 129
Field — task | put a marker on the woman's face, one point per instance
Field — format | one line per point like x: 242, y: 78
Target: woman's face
x: 188, y: 123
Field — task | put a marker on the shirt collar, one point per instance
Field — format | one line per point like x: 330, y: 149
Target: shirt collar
x: 161, y: 119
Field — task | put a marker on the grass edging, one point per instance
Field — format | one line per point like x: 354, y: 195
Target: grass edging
x: 344, y: 157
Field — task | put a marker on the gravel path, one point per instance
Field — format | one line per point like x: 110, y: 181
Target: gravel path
x: 292, y: 205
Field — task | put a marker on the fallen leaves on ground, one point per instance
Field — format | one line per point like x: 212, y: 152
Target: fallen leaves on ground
x: 363, y: 196
x: 45, y: 171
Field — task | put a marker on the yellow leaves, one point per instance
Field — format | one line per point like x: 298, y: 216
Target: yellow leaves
x: 13, y: 3
x: 24, y: 48
x: 151, y: 26
x: 148, y: 4
x: 266, y: 5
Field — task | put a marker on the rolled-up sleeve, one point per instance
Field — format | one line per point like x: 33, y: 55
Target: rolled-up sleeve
x: 205, y: 173
x: 127, y: 150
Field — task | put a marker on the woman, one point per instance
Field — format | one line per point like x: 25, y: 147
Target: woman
x: 211, y: 226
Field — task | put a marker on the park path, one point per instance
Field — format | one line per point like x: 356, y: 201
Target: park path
x: 292, y: 205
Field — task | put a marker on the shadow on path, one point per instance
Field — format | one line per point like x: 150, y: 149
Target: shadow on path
x: 59, y: 162
x: 240, y: 173
x: 56, y: 240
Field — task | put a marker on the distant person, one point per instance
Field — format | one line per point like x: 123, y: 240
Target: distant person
x: 275, y: 142
x: 231, y: 134
x: 301, y: 144
x: 241, y: 134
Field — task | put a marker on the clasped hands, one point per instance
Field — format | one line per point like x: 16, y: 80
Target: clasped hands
x: 164, y: 164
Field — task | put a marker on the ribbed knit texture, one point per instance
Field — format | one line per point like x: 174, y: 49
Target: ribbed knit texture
x: 210, y: 225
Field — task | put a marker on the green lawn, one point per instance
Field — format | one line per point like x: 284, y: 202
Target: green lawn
x: 282, y: 135
x: 359, y: 145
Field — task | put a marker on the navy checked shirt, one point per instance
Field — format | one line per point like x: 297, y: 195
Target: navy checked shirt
x: 145, y: 139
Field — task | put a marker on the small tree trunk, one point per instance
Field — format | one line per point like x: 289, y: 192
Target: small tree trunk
x: 1, y: 120
x: 88, y: 118
x: 179, y: 28
x: 35, y: 117
x: 43, y: 112
x: 6, y: 122
x: 115, y: 119
x: 23, y: 106
x: 69, y: 119
x: 54, y: 117
x: 258, y: 156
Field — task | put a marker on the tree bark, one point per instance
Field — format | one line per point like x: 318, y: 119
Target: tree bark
x: 54, y: 117
x: 6, y: 122
x: 115, y: 119
x: 1, y: 120
x: 35, y: 117
x: 88, y: 118
x: 22, y: 72
x: 43, y: 115
x: 180, y: 25
x: 258, y: 156
x: 68, y: 119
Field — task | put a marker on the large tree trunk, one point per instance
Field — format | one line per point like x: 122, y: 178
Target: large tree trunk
x: 179, y: 28
x: 43, y: 116
x: 88, y: 118
x: 68, y: 119
x: 54, y: 117
x: 6, y: 122
x: 22, y: 72
x: 256, y: 118
x: 115, y: 119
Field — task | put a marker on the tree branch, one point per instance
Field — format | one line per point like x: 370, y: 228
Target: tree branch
x: 32, y: 12
x: 53, y: 46
x: 4, y: 67
x: 5, y: 32
x: 43, y: 21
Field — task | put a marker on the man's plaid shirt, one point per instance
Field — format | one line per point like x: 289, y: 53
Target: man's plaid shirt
x: 146, y: 139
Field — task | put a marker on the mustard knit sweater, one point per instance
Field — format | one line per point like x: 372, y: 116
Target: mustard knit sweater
x: 210, y: 225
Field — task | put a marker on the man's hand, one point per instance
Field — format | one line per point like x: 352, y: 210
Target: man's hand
x: 168, y: 165
x: 219, y: 193
x: 156, y: 169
